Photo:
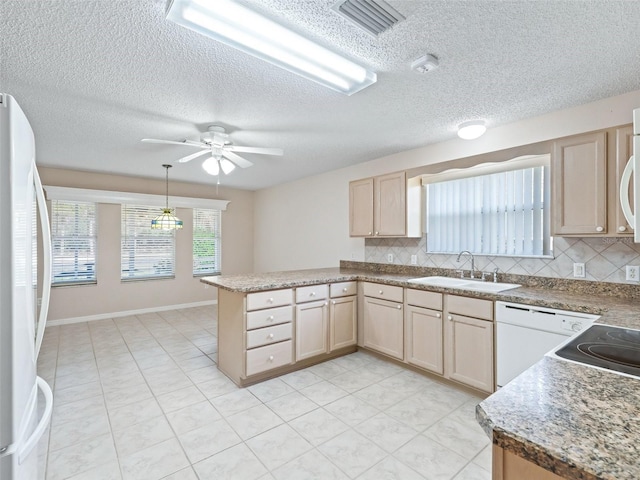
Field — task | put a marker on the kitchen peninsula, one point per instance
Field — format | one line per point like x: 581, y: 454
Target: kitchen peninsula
x: 558, y: 419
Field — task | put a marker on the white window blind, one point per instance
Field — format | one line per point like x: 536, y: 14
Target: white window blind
x: 145, y: 253
x: 504, y: 213
x: 73, y: 239
x: 206, y: 241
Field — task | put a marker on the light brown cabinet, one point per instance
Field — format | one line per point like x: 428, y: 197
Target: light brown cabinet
x: 509, y: 466
x: 385, y: 206
x: 585, y: 175
x: 311, y: 329
x: 423, y: 330
x: 384, y: 319
x: 342, y: 315
x: 469, y: 342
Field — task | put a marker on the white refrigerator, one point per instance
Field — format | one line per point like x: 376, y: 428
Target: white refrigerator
x: 22, y: 213
x: 631, y: 182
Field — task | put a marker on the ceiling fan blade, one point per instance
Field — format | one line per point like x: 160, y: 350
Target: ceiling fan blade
x: 238, y: 160
x: 260, y: 150
x: 171, y: 142
x: 188, y: 158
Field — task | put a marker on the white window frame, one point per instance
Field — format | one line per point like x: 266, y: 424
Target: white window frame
x: 520, y: 227
x: 211, y: 237
x: 145, y: 253
x: 83, y: 257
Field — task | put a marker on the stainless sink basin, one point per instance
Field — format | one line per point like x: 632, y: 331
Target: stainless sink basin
x: 464, y: 284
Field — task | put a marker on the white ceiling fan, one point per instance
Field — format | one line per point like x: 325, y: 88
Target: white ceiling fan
x: 216, y: 143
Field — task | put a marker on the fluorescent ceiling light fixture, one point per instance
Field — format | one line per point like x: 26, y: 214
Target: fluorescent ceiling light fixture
x: 471, y: 130
x: 241, y: 28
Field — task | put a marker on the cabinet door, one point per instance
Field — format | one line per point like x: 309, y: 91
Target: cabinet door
x: 579, y: 185
x: 311, y: 329
x: 342, y: 322
x: 470, y: 351
x: 390, y: 205
x: 383, y: 327
x: 624, y: 150
x: 361, y: 208
x: 425, y: 338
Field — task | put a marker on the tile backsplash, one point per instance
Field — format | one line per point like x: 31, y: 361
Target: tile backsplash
x: 604, y: 258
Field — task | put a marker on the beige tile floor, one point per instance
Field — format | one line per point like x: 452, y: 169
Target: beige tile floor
x: 140, y: 397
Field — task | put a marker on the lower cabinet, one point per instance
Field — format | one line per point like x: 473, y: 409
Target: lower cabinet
x: 424, y: 338
x: 384, y: 327
x: 470, y: 352
x: 312, y: 320
x: 469, y: 342
x: 508, y: 466
x: 342, y: 322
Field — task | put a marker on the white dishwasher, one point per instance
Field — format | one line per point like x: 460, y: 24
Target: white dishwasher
x: 524, y: 334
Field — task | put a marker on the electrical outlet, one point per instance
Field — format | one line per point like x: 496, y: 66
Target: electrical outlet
x: 389, y: 257
x: 414, y: 259
x: 633, y: 273
x: 579, y: 270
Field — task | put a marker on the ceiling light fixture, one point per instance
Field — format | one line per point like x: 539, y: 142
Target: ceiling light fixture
x: 167, y: 220
x: 239, y: 27
x: 213, y: 165
x: 471, y: 130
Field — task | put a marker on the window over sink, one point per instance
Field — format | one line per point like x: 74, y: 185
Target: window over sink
x: 491, y: 209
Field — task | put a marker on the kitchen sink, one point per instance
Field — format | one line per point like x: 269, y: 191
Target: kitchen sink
x: 464, y: 284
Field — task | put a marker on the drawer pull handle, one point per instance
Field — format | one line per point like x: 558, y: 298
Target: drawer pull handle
x: 622, y: 228
x: 345, y: 290
x: 380, y: 292
x: 312, y: 294
x: 369, y: 233
x: 399, y: 307
x: 449, y: 317
x: 270, y: 318
x: 270, y: 335
x: 270, y: 300
x: 271, y: 358
x: 333, y: 302
x: 599, y: 229
x: 438, y: 315
x: 325, y: 304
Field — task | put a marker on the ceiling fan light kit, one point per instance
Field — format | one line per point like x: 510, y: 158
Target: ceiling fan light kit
x: 241, y: 28
x: 472, y: 129
x: 215, y: 142
x: 167, y: 220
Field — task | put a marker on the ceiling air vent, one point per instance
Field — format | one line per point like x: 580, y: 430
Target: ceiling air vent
x: 374, y: 17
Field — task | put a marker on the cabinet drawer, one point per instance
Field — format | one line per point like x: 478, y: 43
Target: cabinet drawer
x: 385, y: 292
x: 343, y: 289
x: 470, y: 307
x: 274, y: 298
x: 271, y: 316
x: 267, y: 335
x: 421, y: 298
x: 265, y: 358
x: 311, y: 293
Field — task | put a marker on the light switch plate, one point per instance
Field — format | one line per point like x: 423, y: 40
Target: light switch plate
x: 633, y: 273
x: 579, y: 270
x: 389, y: 257
x: 414, y: 259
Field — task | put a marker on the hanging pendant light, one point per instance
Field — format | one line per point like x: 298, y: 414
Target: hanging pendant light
x: 167, y: 220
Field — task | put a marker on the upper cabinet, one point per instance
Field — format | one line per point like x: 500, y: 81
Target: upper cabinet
x: 579, y: 176
x: 585, y: 173
x: 385, y: 206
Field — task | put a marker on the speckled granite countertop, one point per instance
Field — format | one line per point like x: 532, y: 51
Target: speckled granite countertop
x: 576, y: 421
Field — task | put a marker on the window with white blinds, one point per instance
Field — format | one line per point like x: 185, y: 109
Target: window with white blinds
x: 503, y: 213
x: 73, y: 241
x: 145, y: 253
x: 206, y: 241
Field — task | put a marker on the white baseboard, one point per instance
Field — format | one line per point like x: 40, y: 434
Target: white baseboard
x: 104, y: 316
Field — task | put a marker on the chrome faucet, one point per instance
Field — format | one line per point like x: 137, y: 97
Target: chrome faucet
x: 473, y: 267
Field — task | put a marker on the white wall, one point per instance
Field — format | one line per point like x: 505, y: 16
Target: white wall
x: 305, y: 224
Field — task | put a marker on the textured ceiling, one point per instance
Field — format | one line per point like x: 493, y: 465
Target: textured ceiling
x: 96, y: 76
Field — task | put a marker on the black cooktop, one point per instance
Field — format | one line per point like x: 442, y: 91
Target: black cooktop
x: 605, y: 346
